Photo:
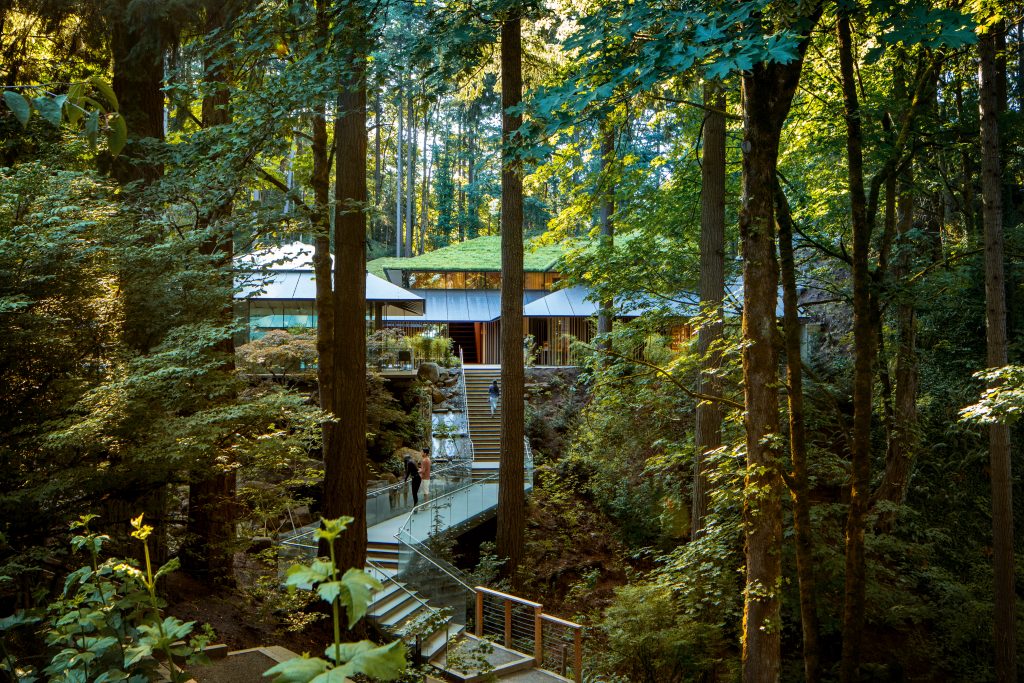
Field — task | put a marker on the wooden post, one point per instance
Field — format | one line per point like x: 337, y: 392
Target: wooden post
x: 538, y: 636
x: 508, y: 623
x: 479, y: 614
x: 577, y: 664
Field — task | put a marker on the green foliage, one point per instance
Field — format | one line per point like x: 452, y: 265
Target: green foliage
x: 351, y: 591
x: 107, y: 624
x: 1002, y: 401
x: 649, y: 641
x: 92, y: 101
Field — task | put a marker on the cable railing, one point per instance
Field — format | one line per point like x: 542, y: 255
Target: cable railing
x: 521, y: 625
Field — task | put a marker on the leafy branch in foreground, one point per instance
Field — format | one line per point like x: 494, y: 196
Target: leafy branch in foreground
x: 353, y: 591
x: 1002, y: 402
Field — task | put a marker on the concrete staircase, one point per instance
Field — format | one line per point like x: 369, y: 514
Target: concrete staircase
x: 484, y: 428
x: 396, y: 606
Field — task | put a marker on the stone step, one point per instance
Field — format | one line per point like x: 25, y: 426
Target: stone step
x: 436, y: 642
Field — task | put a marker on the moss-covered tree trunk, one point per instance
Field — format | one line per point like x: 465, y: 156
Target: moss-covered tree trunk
x: 863, y: 376
x: 605, y: 210
x: 768, y: 89
x: 799, y: 487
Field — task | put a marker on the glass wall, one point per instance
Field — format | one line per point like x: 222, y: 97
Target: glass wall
x: 428, y: 279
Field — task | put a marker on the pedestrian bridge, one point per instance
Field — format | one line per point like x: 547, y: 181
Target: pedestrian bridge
x: 427, y: 600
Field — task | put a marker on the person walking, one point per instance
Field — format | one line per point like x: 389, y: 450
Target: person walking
x: 494, y: 393
x: 413, y: 472
x: 425, y: 473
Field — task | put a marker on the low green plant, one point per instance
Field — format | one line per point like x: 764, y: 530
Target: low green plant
x: 108, y: 624
x: 353, y: 591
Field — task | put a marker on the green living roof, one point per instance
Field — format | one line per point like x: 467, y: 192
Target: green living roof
x: 480, y: 254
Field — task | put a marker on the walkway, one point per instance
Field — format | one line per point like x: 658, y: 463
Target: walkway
x: 400, y: 549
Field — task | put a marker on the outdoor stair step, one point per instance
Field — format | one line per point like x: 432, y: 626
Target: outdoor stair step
x: 383, y: 545
x: 398, y: 616
x: 387, y: 591
x: 396, y: 602
x: 437, y: 640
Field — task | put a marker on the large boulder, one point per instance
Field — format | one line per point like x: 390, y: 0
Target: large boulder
x: 412, y: 452
x: 429, y: 372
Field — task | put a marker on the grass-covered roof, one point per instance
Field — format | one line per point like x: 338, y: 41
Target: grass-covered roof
x: 480, y: 254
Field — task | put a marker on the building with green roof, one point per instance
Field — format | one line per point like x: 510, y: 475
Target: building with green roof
x: 461, y: 286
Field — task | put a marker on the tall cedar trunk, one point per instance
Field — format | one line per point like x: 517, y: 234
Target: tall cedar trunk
x: 511, y: 496
x: 995, y: 318
x: 379, y: 231
x: 472, y: 215
x: 410, y: 182
x: 346, y: 472
x: 708, y: 429
x: 459, y: 157
x: 208, y: 551
x: 137, y: 83
x: 321, y: 183
x: 425, y: 184
x: 800, y: 490
x: 863, y: 353
x: 399, y: 183
x: 607, y: 227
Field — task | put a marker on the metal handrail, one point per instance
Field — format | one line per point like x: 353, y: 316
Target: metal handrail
x: 415, y: 544
x: 401, y: 484
x: 385, y: 578
x: 464, y: 392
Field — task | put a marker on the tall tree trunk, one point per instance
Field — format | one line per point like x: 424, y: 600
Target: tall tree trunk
x: 209, y: 550
x: 607, y: 227
x: 138, y: 85
x: 864, y: 345
x: 410, y: 182
x: 460, y: 209
x: 511, y: 496
x: 346, y: 474
x: 425, y: 182
x: 768, y: 89
x: 902, y: 444
x: 321, y: 225
x: 762, y: 510
x: 379, y: 232
x: 995, y: 318
x: 800, y: 489
x: 708, y: 429
x: 399, y: 181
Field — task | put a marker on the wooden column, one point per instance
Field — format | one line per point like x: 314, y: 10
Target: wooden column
x: 538, y: 636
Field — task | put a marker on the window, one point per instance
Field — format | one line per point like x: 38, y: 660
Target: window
x: 455, y: 281
x: 492, y: 280
x: 426, y: 280
x: 534, y: 280
x: 551, y: 279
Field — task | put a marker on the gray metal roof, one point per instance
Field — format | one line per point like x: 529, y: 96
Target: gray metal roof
x: 576, y: 302
x: 286, y: 273
x: 461, y: 305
